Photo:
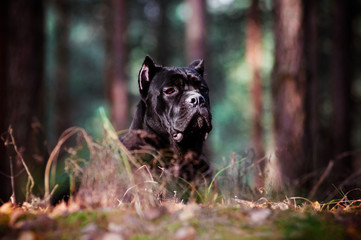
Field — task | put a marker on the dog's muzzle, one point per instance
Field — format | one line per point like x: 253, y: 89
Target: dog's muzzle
x: 197, y: 104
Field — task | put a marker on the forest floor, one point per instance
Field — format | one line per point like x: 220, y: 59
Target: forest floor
x: 143, y: 216
x: 170, y: 220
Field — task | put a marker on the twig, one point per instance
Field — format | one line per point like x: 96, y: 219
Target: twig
x: 15, y: 176
x: 256, y: 163
x: 347, y: 154
x: 329, y: 168
x: 344, y: 183
x: 51, y: 194
x: 30, y: 177
x: 322, y: 179
x: 148, y: 171
x: 300, y: 198
x: 349, y: 178
x: 13, y: 196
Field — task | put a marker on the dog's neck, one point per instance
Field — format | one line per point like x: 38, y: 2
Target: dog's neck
x: 192, y: 144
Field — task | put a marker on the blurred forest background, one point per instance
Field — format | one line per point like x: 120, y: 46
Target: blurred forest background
x: 284, y: 76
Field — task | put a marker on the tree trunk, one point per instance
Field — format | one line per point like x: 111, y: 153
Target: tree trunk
x: 195, y: 31
x: 24, y: 56
x: 254, y: 61
x: 314, y: 143
x: 163, y: 32
x: 62, y: 112
x: 116, y: 67
x: 288, y: 86
x: 5, y: 190
x: 341, y: 74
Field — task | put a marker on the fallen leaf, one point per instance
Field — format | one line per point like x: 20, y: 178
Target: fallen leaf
x: 73, y: 207
x: 7, y: 208
x: 245, y: 203
x: 59, y: 209
x: 189, y: 211
x: 112, y: 236
x: 280, y: 205
x: 185, y: 233
x: 258, y: 216
x: 154, y: 213
x: 41, y: 221
x: 316, y: 205
x: 115, y: 228
x: 172, y: 206
x: 26, y: 206
x: 90, y: 228
x: 18, y: 212
x: 27, y: 235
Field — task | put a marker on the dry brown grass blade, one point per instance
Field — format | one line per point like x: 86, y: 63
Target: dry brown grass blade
x: 31, y: 182
x: 126, y: 158
x: 54, y: 154
x: 347, y: 203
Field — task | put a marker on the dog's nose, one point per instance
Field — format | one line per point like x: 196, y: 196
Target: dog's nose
x: 195, y: 99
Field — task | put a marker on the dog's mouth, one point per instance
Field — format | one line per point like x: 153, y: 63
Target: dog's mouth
x: 195, y: 127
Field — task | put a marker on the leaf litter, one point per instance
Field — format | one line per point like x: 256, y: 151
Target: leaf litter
x: 174, y: 220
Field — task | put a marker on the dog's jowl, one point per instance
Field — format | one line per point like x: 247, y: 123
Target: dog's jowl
x: 173, y: 114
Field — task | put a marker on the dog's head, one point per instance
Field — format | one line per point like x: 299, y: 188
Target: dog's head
x: 175, y: 102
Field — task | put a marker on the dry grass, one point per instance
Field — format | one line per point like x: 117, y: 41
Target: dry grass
x: 113, y: 193
x: 104, y: 173
x: 110, y: 176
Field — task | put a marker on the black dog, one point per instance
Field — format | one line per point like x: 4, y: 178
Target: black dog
x: 174, y: 113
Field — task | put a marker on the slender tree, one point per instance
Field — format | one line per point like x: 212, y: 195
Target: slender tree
x: 315, y: 143
x: 341, y: 74
x: 163, y: 33
x: 313, y: 140
x: 254, y: 60
x: 5, y: 190
x: 62, y: 66
x: 116, y: 65
x: 24, y: 77
x: 196, y: 30
x: 288, y: 88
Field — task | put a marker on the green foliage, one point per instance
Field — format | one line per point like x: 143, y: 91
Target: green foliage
x: 81, y: 219
x: 309, y: 226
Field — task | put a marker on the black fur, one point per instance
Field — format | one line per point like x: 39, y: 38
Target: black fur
x: 173, y: 113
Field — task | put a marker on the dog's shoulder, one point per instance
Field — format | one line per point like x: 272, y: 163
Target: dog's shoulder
x: 138, y: 139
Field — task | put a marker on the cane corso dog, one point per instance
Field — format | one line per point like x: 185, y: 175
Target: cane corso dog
x: 173, y: 113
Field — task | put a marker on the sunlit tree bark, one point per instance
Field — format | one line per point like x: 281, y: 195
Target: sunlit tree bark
x: 195, y: 30
x: 116, y: 64
x: 288, y: 87
x: 254, y: 61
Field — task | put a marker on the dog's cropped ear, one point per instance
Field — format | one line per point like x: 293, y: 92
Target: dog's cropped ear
x: 146, y: 74
x: 198, y: 65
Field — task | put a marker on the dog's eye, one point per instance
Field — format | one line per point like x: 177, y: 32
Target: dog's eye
x: 203, y: 89
x: 169, y: 91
